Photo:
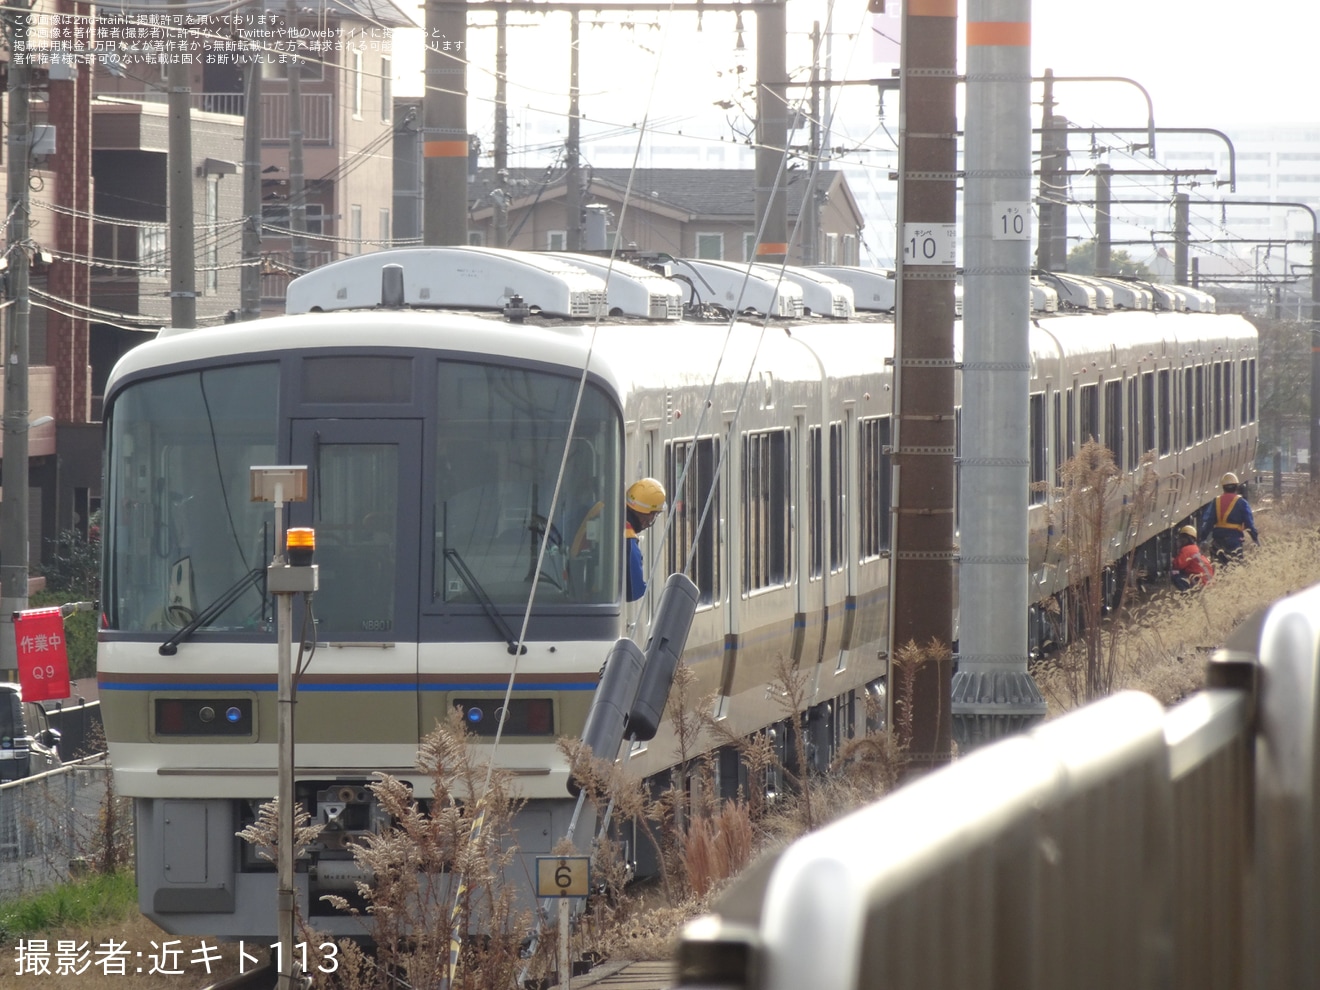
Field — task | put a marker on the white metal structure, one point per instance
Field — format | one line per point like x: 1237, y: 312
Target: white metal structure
x: 632, y: 290
x: 873, y: 289
x: 738, y: 290
x: 452, y: 278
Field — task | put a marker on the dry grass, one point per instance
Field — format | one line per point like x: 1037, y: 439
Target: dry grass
x: 1161, y: 645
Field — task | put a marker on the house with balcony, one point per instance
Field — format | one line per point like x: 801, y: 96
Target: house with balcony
x: 343, y: 54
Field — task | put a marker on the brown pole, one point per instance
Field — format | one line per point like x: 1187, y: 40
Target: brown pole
x: 921, y: 587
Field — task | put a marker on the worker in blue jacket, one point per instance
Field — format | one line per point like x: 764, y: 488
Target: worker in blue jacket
x: 1226, y: 519
x: 644, y: 501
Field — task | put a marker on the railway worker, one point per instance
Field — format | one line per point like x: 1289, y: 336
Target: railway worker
x: 1226, y: 519
x: 644, y: 501
x: 1190, y: 568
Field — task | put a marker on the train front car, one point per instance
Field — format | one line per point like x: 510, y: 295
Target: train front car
x: 433, y: 445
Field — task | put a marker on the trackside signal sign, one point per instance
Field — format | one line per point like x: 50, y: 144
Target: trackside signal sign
x: 562, y: 876
x: 43, y: 658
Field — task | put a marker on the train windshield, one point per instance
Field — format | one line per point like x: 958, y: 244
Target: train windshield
x: 499, y: 448
x: 180, y: 529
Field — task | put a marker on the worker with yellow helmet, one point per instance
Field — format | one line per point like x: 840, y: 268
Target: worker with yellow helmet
x: 1226, y: 519
x: 1190, y: 568
x: 644, y: 501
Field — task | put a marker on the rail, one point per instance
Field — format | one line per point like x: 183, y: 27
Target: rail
x: 1118, y: 846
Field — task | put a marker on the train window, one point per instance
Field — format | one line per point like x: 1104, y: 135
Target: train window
x: 1036, y: 427
x: 1166, y: 412
x: 1217, y: 396
x: 694, y: 494
x: 1200, y: 403
x: 1243, y: 392
x: 838, y: 504
x: 1088, y: 414
x: 766, y: 477
x: 815, y: 504
x: 1189, y: 408
x: 357, y: 378
x: 1228, y: 395
x: 874, y: 474
x: 500, y: 440
x: 179, y: 528
x: 1114, y: 420
x: 1058, y: 436
x: 1251, y: 379
x: 1133, y: 444
x: 1148, y: 411
x: 1072, y: 427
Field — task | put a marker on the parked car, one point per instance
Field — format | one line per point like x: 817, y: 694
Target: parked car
x: 28, y: 744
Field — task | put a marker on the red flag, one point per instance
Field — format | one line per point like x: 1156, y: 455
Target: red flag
x: 43, y: 660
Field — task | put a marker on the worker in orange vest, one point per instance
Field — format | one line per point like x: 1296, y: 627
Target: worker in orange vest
x: 1226, y: 519
x: 1190, y: 568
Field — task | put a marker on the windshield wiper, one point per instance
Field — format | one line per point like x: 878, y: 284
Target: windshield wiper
x: 487, y: 605
x: 227, y: 598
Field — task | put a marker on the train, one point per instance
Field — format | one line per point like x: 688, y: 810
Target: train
x: 465, y: 414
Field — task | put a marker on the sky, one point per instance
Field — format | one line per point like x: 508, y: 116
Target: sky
x: 1212, y: 63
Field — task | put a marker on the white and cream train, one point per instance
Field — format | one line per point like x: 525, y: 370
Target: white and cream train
x: 434, y: 442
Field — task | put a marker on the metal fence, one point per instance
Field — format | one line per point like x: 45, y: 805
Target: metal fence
x: 1118, y: 846
x: 53, y: 823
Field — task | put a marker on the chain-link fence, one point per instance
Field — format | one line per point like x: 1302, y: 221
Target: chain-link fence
x: 56, y: 824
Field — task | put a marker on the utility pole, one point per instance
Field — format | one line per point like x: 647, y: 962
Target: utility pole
x: 811, y: 200
x: 183, y: 271
x: 771, y: 132
x: 572, y: 180
x: 1103, y: 213
x: 1052, y: 239
x: 251, y: 275
x: 14, y: 547
x: 1314, y: 457
x: 501, y: 196
x: 444, y: 125
x: 1180, y: 237
x: 297, y: 191
x: 921, y: 578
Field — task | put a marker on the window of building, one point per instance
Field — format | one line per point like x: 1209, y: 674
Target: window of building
x: 710, y: 246
x: 153, y: 250
x: 386, y: 89
x: 354, y: 229
x: 356, y: 102
x: 477, y: 238
x: 766, y: 497
x: 749, y: 247
x: 211, y: 264
x: 275, y: 218
x: 384, y: 238
x: 556, y: 240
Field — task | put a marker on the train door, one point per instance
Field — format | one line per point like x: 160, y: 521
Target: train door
x: 364, y: 501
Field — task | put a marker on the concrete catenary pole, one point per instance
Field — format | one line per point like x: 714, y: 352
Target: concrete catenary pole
x: 183, y: 271
x: 921, y: 579
x: 1103, y: 214
x: 501, y: 129
x: 1181, y: 203
x: 14, y: 548
x: 993, y: 694
x: 444, y: 126
x: 250, y: 283
x: 771, y: 131
x: 572, y: 175
x: 297, y: 184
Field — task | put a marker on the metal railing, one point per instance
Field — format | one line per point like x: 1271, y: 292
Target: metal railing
x: 318, y: 111
x: 53, y: 822
x: 1118, y: 846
